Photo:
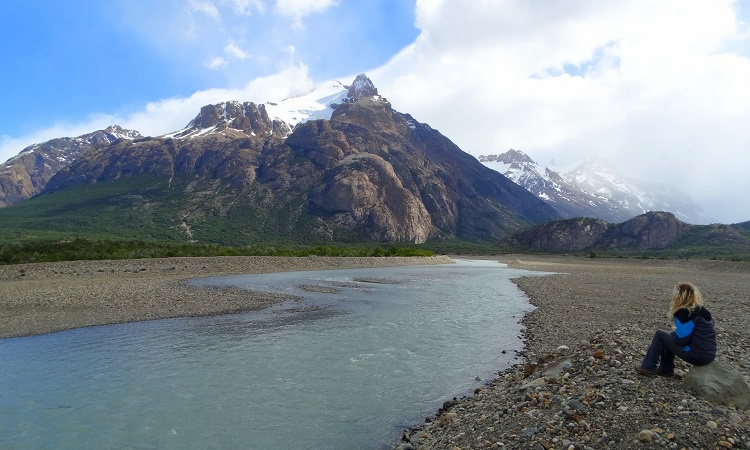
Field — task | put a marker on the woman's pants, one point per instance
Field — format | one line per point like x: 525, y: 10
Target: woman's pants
x: 662, y: 351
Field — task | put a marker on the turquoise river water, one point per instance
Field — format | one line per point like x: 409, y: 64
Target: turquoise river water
x: 348, y: 368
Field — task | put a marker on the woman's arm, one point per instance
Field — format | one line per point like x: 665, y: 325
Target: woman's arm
x: 683, y: 326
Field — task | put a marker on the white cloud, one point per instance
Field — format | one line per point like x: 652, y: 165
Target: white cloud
x: 235, y: 51
x: 297, y: 9
x: 649, y: 85
x: 205, y: 7
x: 246, y: 6
x: 217, y: 63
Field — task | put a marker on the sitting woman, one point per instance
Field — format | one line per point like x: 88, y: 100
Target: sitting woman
x: 694, y: 338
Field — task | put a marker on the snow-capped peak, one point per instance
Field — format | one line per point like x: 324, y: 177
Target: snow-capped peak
x: 119, y: 132
x: 362, y: 87
x: 594, y: 188
x: 317, y: 104
x: 106, y: 136
x: 513, y: 164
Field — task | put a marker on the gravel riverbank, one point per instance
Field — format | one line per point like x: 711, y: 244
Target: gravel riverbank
x: 575, y: 387
x: 48, y: 297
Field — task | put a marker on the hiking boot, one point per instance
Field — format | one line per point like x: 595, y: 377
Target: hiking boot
x: 644, y: 371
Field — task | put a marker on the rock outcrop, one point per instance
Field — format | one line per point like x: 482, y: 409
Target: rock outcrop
x: 361, y: 87
x: 720, y: 383
x: 653, y: 230
x: 364, y: 191
x: 246, y: 119
x: 563, y: 235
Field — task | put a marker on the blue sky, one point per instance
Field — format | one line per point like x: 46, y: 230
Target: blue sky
x: 65, y: 60
x: 657, y: 87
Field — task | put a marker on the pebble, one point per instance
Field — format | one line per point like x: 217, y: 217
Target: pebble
x: 646, y: 436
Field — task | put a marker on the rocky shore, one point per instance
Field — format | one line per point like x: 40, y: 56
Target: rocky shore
x: 48, y: 297
x: 575, y: 387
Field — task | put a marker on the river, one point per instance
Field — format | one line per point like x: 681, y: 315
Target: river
x: 361, y: 355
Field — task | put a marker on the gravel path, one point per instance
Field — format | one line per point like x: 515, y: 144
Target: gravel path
x: 576, y: 388
x: 47, y: 297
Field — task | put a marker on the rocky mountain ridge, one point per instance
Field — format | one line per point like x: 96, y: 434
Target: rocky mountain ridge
x: 233, y: 119
x: 595, y: 188
x: 28, y: 173
x: 367, y: 172
x: 655, y: 230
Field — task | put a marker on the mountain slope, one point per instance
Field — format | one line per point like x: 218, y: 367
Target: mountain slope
x: 594, y: 189
x: 549, y: 186
x: 236, y: 174
x: 27, y: 174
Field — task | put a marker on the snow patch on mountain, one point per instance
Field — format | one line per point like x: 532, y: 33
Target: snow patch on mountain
x: 67, y: 148
x: 595, y: 188
x: 317, y: 104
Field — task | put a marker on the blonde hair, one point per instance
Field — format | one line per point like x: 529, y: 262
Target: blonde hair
x: 685, y: 295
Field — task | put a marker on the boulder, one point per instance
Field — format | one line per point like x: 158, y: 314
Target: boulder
x: 720, y: 383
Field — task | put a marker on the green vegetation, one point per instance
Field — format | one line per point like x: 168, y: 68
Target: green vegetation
x: 152, y: 217
x: 689, y: 247
x: 122, y: 208
x: 458, y: 247
x: 83, y: 249
x: 674, y: 252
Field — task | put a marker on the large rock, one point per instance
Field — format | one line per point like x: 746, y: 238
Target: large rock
x: 719, y: 383
x: 364, y: 189
x: 652, y: 230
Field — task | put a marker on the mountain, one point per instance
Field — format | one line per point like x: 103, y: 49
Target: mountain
x: 549, y: 186
x: 27, y: 173
x: 336, y: 165
x: 595, y: 189
x: 653, y: 231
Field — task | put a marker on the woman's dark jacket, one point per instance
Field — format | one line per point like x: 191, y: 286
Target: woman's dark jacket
x: 696, y: 334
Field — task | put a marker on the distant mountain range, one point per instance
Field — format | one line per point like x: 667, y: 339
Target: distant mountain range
x: 339, y: 164
x: 595, y: 189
